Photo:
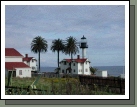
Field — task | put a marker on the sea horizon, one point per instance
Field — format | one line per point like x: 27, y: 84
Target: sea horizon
x: 112, y: 70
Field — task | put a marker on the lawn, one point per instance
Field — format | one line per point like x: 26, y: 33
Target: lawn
x: 52, y: 86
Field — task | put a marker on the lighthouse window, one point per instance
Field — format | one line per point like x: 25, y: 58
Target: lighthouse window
x: 74, y: 70
x: 74, y: 64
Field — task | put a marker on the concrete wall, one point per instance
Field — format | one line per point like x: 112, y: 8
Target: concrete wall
x: 13, y: 59
x: 101, y: 73
x: 26, y: 72
x: 122, y: 75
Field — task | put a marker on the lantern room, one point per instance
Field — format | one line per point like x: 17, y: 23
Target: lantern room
x: 83, y: 42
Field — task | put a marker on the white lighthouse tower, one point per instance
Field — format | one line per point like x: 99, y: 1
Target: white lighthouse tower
x: 83, y: 46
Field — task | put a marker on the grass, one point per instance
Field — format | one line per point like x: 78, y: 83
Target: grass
x: 54, y: 86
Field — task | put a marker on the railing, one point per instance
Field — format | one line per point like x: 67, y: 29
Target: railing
x: 114, y: 84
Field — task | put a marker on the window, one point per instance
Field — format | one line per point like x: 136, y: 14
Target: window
x: 20, y: 72
x: 74, y: 64
x: 86, y: 70
x: 62, y: 71
x: 65, y: 63
x: 74, y: 70
x: 32, y: 60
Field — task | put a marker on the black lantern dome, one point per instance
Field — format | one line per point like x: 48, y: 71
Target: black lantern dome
x: 83, y: 43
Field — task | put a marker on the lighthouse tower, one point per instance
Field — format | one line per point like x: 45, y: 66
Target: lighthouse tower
x: 83, y: 46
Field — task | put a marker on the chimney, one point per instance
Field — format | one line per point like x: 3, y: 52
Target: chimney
x: 78, y: 56
x: 26, y: 55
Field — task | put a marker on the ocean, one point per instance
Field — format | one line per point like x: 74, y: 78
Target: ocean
x: 111, y: 70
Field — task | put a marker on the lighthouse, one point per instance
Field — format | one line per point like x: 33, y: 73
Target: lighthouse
x: 83, y: 46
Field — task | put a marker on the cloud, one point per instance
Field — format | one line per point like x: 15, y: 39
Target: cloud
x: 102, y: 25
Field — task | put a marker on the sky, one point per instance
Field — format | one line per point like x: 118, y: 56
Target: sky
x: 102, y: 25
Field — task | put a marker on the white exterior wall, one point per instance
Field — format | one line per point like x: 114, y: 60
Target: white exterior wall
x: 86, y: 66
x: 26, y: 72
x: 80, y: 70
x: 74, y: 67
x: 122, y: 75
x: 13, y: 59
x: 101, y: 73
x: 26, y: 63
x: 33, y: 64
x: 63, y: 67
x: 83, y: 52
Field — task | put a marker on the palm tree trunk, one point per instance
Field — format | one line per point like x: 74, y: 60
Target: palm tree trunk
x: 58, y: 63
x: 58, y: 58
x: 71, y: 56
x: 39, y: 61
x: 70, y: 63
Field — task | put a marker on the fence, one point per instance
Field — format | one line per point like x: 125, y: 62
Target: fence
x: 51, y: 75
x: 113, y: 84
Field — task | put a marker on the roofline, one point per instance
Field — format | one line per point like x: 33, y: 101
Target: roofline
x: 14, y: 56
x: 17, y: 67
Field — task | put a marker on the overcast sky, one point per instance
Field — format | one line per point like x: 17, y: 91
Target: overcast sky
x: 102, y: 25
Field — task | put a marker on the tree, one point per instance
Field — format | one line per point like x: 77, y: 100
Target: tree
x: 39, y: 45
x: 57, y: 45
x: 93, y: 70
x: 71, y: 47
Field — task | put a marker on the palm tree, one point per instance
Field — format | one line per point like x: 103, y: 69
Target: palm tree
x: 71, y: 47
x: 93, y: 70
x: 57, y: 45
x: 39, y: 45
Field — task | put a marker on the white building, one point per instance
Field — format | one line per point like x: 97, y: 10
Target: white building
x: 102, y: 73
x: 14, y: 62
x: 78, y: 65
x: 30, y: 61
x: 19, y: 69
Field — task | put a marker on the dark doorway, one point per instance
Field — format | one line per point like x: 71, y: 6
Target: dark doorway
x: 14, y: 73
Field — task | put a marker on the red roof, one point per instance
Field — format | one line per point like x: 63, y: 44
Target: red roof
x: 13, y: 65
x: 76, y: 60
x: 12, y: 52
x: 27, y: 59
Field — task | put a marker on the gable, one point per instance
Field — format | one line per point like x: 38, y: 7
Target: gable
x: 13, y: 65
x: 12, y: 52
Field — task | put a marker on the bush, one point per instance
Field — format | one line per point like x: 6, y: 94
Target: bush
x: 67, y: 76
